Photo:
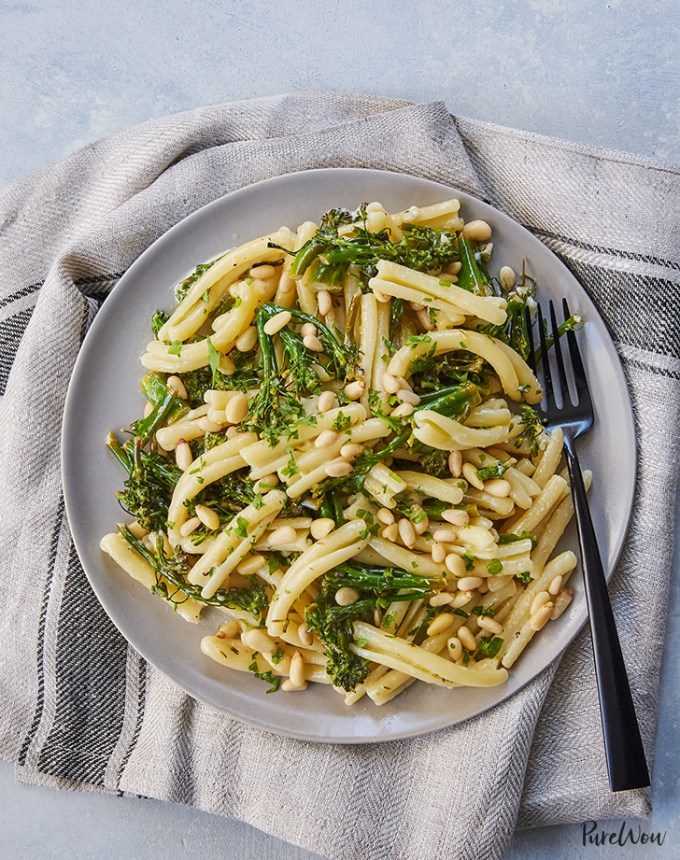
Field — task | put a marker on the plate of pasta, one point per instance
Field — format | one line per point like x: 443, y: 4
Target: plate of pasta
x: 329, y: 462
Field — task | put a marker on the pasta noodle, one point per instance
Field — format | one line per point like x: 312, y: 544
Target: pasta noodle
x: 339, y: 454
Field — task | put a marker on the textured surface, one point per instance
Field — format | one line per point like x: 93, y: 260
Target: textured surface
x: 599, y: 73
x: 70, y: 74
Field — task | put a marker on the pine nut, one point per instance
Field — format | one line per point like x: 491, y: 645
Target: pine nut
x: 563, y: 600
x: 404, y: 383
x: 477, y: 231
x: 208, y: 426
x: 453, y: 268
x: 422, y: 525
x: 444, y: 535
x: 540, y: 619
x: 208, y: 517
x: 183, y: 456
x: 289, y: 687
x: 441, y: 599
x: 282, y: 535
x: 403, y: 410
x: 555, y: 586
x: 246, y: 341
x: 380, y: 297
x: 148, y: 409
x: 506, y: 276
x: 177, y: 386
x: 189, y: 526
x: 455, y: 564
x: 390, y: 383
x: 307, y: 329
x: 484, y: 587
x: 322, y: 527
x: 416, y: 306
x: 438, y: 553
x: 470, y: 475
x: 263, y: 272
x: 326, y: 438
x: 539, y: 600
x: 461, y: 599
x: 377, y: 617
x: 406, y: 396
x: 346, y: 596
x: 258, y: 640
x: 407, y: 533
x: 251, y: 564
x: 277, y: 322
x: 354, y: 390
x: 498, y: 487
x: 325, y: 301
x: 455, y: 649
x: 230, y: 629
x: 489, y: 624
x: 305, y: 636
x: 385, y: 516
x: 237, y: 408
x: 338, y: 468
x: 391, y: 532
x: 227, y: 366
x: 351, y: 450
x: 297, y: 669
x: 440, y: 623
x: 269, y: 481
x: 312, y: 342
x: 456, y: 517
x: 455, y: 463
x: 234, y: 291
x: 468, y: 583
x: 327, y: 400
x: 467, y: 638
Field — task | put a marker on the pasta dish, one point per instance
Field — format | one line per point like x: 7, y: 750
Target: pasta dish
x: 340, y: 453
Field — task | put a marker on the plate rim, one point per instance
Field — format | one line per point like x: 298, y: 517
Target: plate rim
x: 507, y: 690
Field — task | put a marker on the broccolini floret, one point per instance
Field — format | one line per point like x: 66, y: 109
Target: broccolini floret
x: 172, y: 585
x: 377, y: 587
x: 149, y: 485
x: 327, y: 255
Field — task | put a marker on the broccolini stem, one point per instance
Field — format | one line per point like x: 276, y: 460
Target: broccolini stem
x: 453, y: 400
x: 470, y: 276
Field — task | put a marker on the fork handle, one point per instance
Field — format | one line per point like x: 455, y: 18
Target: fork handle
x: 625, y: 754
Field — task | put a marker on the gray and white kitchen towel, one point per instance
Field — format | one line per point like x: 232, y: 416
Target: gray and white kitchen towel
x: 80, y: 708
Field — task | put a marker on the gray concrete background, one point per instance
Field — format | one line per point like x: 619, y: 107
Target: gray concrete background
x: 598, y: 73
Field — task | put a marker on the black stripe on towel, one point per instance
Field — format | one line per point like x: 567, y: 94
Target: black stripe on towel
x: 20, y: 294
x: 612, y: 252
x: 641, y: 311
x: 90, y: 685
x: 141, y: 703
x: 11, y: 332
x: 40, y: 699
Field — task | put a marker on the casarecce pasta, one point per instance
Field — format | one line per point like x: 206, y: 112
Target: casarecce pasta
x: 340, y: 453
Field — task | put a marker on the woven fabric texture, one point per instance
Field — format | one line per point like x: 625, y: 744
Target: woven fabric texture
x: 81, y: 709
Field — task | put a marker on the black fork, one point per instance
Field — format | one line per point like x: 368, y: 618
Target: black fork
x: 625, y: 755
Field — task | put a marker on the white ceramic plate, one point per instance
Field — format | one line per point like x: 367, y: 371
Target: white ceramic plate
x: 105, y: 389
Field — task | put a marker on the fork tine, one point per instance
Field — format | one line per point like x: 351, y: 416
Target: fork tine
x: 566, y: 398
x: 580, y: 378
x: 531, y: 358
x: 547, y: 388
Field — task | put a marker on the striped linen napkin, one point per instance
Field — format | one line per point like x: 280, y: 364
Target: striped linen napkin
x: 81, y: 709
